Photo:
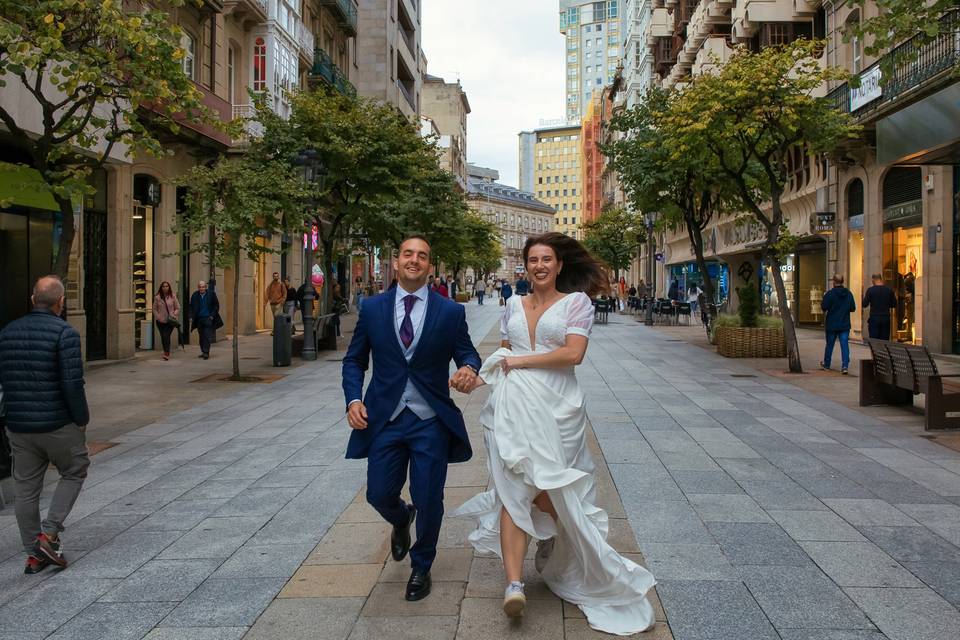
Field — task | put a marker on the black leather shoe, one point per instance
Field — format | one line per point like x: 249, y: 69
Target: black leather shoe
x: 418, y: 586
x: 400, y: 538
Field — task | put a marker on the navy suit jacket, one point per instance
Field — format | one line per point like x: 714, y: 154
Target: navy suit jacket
x: 444, y: 337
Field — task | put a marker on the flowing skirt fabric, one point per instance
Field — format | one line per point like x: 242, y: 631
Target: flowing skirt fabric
x: 535, y: 433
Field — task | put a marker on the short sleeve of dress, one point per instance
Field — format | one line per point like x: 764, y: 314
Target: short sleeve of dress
x: 504, y: 321
x: 580, y: 315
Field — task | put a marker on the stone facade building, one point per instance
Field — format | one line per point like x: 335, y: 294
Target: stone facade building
x: 551, y: 168
x: 392, y: 64
x: 446, y: 104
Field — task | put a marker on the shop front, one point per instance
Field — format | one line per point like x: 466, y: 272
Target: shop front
x: 30, y: 227
x: 804, y: 274
x: 955, y: 289
x: 855, y: 250
x: 688, y: 274
x: 903, y: 250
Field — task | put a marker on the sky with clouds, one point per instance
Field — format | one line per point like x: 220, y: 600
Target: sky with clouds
x: 509, y: 57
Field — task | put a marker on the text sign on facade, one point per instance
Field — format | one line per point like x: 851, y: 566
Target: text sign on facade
x: 825, y: 222
x: 868, y: 91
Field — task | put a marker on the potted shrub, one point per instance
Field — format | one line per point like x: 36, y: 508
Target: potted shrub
x: 749, y: 335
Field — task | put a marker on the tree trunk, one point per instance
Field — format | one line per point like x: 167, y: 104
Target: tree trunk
x: 709, y: 293
x: 236, y: 313
x: 61, y: 265
x: 789, y: 330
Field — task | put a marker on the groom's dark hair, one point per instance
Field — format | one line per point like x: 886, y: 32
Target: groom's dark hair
x: 414, y: 236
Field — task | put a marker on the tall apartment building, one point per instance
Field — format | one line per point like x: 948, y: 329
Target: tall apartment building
x: 637, y: 57
x: 446, y: 104
x: 592, y: 31
x: 123, y: 247
x: 551, y: 162
x: 392, y: 65
x: 516, y: 213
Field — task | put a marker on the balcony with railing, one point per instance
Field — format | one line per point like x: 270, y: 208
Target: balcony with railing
x: 346, y: 13
x: 248, y: 11
x: 326, y: 71
x: 916, y: 63
x: 661, y: 25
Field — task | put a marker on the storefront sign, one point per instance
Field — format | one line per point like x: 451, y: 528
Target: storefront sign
x: 868, y: 91
x: 825, y: 220
x: 855, y: 223
x: 903, y: 212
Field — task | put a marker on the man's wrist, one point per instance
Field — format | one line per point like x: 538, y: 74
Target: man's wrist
x: 351, y: 403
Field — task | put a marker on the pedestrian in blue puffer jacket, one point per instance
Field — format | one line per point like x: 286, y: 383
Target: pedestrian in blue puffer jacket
x: 41, y: 372
x: 838, y: 304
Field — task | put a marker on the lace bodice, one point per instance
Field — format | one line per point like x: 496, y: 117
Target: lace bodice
x: 571, y: 314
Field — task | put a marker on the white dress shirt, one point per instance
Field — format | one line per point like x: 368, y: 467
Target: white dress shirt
x: 418, y: 311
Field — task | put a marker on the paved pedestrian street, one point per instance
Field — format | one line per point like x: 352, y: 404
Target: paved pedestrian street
x: 764, y: 511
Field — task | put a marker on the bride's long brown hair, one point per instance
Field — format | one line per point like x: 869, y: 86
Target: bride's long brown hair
x: 581, y: 271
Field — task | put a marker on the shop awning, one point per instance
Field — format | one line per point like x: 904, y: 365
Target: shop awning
x: 22, y: 186
x: 926, y: 132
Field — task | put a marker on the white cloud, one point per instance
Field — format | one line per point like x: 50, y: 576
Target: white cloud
x: 509, y: 57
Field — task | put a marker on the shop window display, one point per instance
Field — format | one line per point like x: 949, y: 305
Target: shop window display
x: 903, y: 270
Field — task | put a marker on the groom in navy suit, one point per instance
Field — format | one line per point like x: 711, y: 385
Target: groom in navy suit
x: 407, y: 417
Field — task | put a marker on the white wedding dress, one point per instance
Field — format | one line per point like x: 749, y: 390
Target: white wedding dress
x: 535, y: 424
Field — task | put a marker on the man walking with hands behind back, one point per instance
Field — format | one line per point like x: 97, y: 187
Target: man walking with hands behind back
x: 407, y: 418
x: 205, y: 316
x: 41, y: 373
x: 881, y: 299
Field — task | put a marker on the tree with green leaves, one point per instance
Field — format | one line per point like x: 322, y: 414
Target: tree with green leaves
x: 240, y: 200
x: 101, y: 79
x: 484, y: 251
x: 614, y: 237
x: 752, y: 116
x: 686, y: 192
x: 372, y: 157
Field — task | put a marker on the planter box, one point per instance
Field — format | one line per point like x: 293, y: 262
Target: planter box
x: 750, y: 342
x: 463, y: 297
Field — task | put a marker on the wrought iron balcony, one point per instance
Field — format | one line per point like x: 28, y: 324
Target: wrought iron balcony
x: 914, y: 63
x: 346, y: 12
x: 326, y: 71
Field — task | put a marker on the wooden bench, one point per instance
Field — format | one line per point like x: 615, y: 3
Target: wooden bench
x: 897, y: 372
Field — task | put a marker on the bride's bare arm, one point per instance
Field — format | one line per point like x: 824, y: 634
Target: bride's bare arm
x: 570, y: 354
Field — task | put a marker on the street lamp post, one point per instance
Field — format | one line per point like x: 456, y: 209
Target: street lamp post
x: 651, y: 289
x: 314, y: 173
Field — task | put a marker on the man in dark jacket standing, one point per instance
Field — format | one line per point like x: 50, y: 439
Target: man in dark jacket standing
x: 838, y: 304
x: 205, y: 316
x: 41, y: 372
x: 881, y: 299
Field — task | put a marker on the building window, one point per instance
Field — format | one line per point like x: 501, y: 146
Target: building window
x: 586, y: 29
x: 189, y: 45
x: 564, y: 221
x: 573, y: 220
x: 259, y: 65
x: 574, y: 192
x: 231, y: 74
x: 856, y: 45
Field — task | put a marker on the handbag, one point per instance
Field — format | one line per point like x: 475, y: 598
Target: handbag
x: 173, y: 322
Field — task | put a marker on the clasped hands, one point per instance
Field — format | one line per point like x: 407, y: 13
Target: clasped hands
x: 465, y: 380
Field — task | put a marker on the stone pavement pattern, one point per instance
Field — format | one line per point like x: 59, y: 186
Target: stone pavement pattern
x: 764, y: 511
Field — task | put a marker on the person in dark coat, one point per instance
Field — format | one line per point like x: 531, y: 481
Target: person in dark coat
x: 41, y: 373
x: 205, y: 316
x: 881, y: 299
x: 505, y: 292
x: 838, y: 304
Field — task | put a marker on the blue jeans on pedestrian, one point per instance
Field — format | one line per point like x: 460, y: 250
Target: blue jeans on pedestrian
x: 480, y: 297
x: 832, y: 337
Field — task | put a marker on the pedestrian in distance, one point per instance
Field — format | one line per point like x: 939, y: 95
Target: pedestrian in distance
x: 523, y: 286
x: 290, y: 304
x: 452, y: 287
x: 41, y: 373
x: 480, y: 288
x: 442, y: 288
x: 407, y: 418
x: 505, y: 292
x: 837, y: 304
x: 274, y: 296
x: 881, y: 299
x: 543, y: 478
x: 496, y: 287
x: 166, y: 313
x: 205, y: 316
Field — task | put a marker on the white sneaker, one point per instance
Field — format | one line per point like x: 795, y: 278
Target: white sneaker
x: 544, y: 551
x: 514, y: 600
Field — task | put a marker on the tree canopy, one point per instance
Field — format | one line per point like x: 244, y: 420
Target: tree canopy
x: 615, y: 236
x: 756, y: 117
x: 102, y: 81
x: 899, y: 20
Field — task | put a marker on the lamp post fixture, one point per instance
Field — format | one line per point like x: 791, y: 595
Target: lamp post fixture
x: 314, y: 173
x: 651, y: 288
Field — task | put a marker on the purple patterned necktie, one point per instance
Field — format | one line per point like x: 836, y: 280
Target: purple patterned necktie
x: 406, y: 327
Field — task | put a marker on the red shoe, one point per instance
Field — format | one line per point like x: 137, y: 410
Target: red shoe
x: 35, y: 565
x: 166, y: 355
x: 49, y: 549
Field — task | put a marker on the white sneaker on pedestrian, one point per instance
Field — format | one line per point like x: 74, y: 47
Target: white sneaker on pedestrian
x: 514, y: 600
x: 544, y: 551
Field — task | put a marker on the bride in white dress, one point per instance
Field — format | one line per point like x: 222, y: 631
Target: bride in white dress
x: 543, y: 484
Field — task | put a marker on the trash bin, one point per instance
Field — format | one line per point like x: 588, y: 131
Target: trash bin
x: 282, y: 340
